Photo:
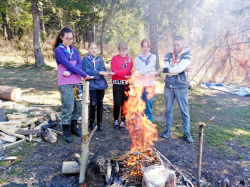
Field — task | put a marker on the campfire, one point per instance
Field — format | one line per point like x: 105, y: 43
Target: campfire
x: 130, y: 169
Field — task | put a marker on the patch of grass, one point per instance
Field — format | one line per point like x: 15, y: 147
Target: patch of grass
x: 241, y: 157
x: 5, y: 163
x: 3, y: 181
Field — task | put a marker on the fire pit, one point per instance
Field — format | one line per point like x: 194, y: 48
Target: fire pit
x: 142, y: 166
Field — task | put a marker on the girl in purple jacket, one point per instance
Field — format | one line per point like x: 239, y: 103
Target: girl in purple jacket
x: 69, y: 75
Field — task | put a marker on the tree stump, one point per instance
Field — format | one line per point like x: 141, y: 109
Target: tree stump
x: 10, y: 93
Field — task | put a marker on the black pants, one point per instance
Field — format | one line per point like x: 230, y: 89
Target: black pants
x: 119, y: 99
x: 96, y: 101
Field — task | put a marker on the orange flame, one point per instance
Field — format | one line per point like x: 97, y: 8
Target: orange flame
x: 142, y: 131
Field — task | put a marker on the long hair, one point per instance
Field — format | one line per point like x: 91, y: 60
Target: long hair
x: 58, y: 38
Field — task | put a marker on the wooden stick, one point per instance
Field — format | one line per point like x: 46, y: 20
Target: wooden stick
x: 200, y: 144
x: 12, y: 145
x: 85, y: 144
x: 57, y: 132
x: 92, y: 133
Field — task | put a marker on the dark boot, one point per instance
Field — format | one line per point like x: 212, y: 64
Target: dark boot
x: 99, y: 128
x: 66, y: 132
x: 91, y: 124
x: 74, y: 130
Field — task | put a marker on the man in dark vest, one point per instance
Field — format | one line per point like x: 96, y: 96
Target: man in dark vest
x: 176, y: 85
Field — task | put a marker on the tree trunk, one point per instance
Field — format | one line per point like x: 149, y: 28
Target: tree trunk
x: 4, y: 26
x: 58, y: 12
x: 8, y: 31
x: 153, y: 20
x: 42, y: 19
x: 39, y: 60
x: 16, y: 18
x: 102, y: 34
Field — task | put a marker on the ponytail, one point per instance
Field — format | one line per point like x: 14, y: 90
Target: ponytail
x: 58, y: 38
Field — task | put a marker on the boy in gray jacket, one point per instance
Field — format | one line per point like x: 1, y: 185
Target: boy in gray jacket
x: 176, y: 85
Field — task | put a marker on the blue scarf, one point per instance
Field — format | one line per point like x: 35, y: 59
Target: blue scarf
x: 147, y: 59
x: 65, y: 49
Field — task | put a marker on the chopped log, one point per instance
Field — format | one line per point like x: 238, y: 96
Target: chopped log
x: 33, y: 120
x: 52, y: 136
x: 10, y: 131
x: 10, y: 93
x: 28, y: 132
x: 7, y: 138
x: 70, y: 167
x: 12, y: 145
x: 17, y: 116
x: 12, y: 123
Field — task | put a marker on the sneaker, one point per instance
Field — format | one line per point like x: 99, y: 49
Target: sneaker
x: 188, y: 138
x: 116, y: 124
x: 167, y: 134
x: 122, y: 126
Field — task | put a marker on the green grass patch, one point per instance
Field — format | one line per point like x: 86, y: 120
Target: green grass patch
x: 3, y: 181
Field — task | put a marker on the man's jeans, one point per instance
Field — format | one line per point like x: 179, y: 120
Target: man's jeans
x: 181, y: 96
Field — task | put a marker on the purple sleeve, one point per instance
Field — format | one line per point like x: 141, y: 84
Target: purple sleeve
x: 63, y: 59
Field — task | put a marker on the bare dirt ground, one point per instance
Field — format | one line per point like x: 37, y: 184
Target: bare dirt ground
x: 226, y: 158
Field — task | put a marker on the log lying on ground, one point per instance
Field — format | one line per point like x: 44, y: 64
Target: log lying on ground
x: 16, y: 116
x: 12, y: 145
x: 10, y: 131
x: 7, y: 138
x: 10, y: 93
x: 28, y: 132
x: 12, y: 123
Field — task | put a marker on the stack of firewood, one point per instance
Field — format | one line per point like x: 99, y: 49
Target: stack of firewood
x: 20, y: 128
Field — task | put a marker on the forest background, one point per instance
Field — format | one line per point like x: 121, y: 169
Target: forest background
x: 211, y: 27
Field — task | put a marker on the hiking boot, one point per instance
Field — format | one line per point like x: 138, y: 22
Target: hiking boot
x: 167, y: 134
x: 122, y: 126
x: 99, y: 128
x: 74, y: 129
x: 188, y: 138
x: 116, y: 124
x: 66, y: 133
